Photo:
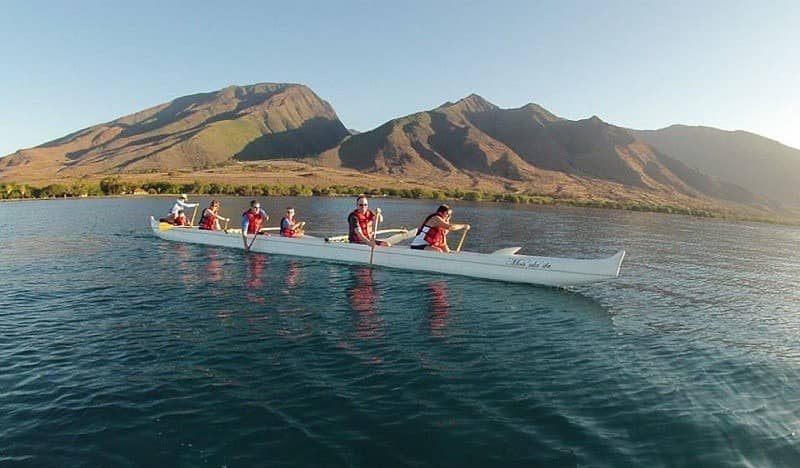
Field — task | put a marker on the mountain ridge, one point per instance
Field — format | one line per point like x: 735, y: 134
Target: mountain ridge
x: 529, y: 147
x: 470, y: 143
x: 198, y: 130
x: 742, y: 157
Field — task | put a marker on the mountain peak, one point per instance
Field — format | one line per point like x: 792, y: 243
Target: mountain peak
x: 540, y: 112
x: 593, y: 120
x: 249, y: 122
x: 471, y: 103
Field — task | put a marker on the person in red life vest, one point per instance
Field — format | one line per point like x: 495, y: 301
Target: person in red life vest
x: 362, y: 222
x: 290, y: 228
x: 180, y: 219
x: 432, y: 235
x: 252, y: 220
x: 210, y: 219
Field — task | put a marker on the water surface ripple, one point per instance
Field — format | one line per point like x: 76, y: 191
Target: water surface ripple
x: 119, y: 349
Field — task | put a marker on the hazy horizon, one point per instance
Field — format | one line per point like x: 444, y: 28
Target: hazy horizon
x: 643, y: 66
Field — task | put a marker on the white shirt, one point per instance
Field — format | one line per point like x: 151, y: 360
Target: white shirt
x: 181, y: 205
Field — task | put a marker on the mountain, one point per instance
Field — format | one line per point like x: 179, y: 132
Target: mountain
x: 267, y: 120
x: 533, y: 150
x: 467, y: 144
x: 750, y: 160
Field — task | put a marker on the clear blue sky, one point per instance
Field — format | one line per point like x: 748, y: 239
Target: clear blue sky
x: 639, y: 64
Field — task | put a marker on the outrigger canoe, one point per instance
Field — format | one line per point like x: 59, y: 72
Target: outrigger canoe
x: 501, y: 265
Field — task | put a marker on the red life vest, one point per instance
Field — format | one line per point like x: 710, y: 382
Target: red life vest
x: 252, y: 220
x: 181, y: 220
x: 207, y: 221
x: 433, y: 235
x: 364, y: 222
x: 286, y: 227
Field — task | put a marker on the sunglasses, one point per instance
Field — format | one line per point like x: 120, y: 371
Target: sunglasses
x: 255, y: 207
x: 363, y: 204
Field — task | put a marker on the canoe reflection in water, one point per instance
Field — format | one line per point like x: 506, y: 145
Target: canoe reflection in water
x: 363, y: 299
x: 292, y: 276
x: 254, y: 281
x: 438, y: 307
x: 214, y: 269
x: 184, y: 263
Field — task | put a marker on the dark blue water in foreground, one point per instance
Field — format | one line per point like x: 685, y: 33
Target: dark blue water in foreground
x: 119, y: 349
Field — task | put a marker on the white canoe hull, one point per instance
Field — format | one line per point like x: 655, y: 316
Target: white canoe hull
x: 503, y: 265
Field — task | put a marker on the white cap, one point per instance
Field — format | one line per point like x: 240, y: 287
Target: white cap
x: 183, y: 196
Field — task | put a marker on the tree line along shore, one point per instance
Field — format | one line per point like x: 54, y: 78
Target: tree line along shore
x: 115, y: 186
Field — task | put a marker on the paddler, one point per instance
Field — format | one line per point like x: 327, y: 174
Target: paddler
x: 179, y: 205
x: 211, y: 217
x: 290, y: 227
x: 252, y: 220
x: 432, y: 234
x: 180, y: 219
x: 362, y: 224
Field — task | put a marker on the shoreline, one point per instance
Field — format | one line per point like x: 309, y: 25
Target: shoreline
x: 297, y: 178
x: 483, y: 197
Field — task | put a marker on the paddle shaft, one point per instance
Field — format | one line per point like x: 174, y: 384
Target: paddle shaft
x: 255, y: 234
x: 194, y: 213
x: 374, y: 233
x: 461, y: 242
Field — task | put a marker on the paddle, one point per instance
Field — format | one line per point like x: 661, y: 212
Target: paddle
x: 461, y: 242
x: 374, y: 230
x: 251, y: 242
x: 255, y: 234
x: 194, y: 213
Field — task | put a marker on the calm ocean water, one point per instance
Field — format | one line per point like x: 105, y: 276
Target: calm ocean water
x: 119, y: 349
